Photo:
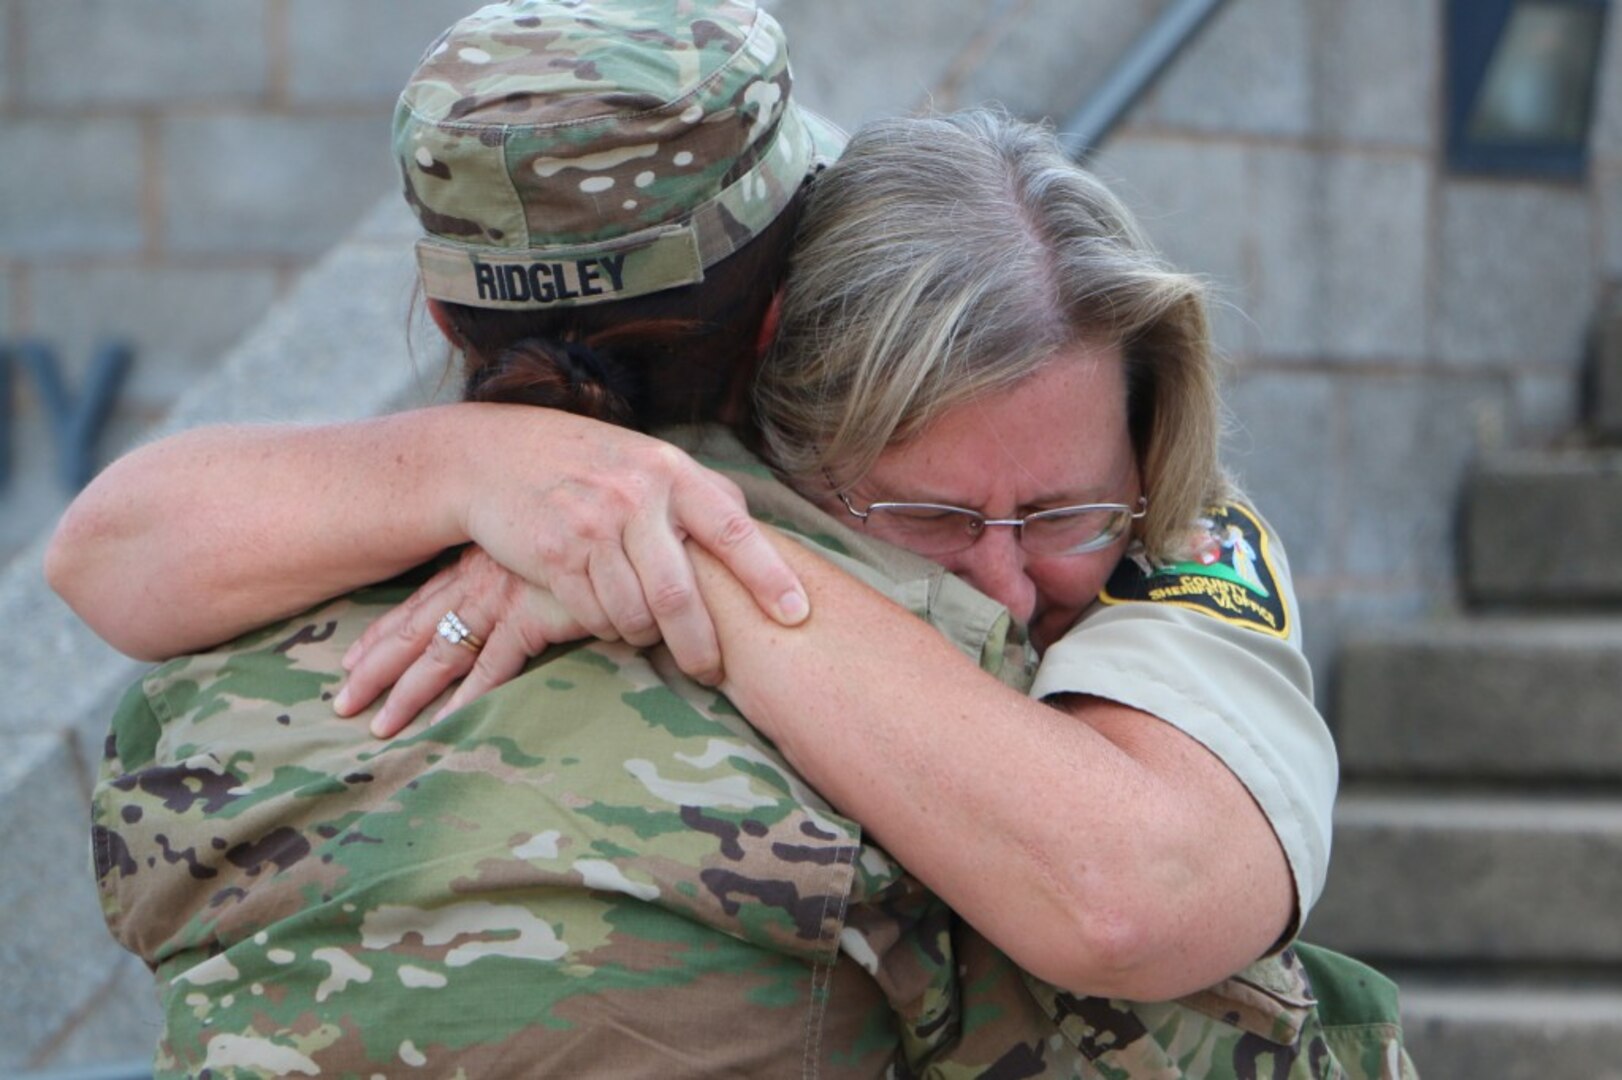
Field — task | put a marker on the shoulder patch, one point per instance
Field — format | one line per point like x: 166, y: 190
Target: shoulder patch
x: 1227, y: 574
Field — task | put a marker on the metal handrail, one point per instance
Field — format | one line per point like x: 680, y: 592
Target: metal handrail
x: 1158, y: 46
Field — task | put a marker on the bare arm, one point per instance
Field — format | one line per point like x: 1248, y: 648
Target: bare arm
x: 201, y: 536
x: 193, y: 539
x: 1102, y: 849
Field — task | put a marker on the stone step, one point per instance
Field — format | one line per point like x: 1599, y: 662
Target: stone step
x: 1606, y: 417
x: 1544, y: 527
x: 1419, y: 877
x: 1480, y: 698
x: 1460, y: 1031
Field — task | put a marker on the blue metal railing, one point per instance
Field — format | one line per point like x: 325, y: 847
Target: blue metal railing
x: 1172, y: 29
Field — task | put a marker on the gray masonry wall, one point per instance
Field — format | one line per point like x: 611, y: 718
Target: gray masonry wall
x: 169, y: 168
x: 1390, y: 321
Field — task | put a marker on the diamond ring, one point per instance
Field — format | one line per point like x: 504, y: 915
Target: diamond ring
x: 454, y: 630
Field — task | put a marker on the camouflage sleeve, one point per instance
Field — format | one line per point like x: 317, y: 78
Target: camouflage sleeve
x: 1224, y: 665
x: 1265, y: 1021
x: 131, y: 737
x: 1362, y: 1020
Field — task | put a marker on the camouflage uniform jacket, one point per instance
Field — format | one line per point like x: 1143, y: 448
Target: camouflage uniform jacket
x: 599, y: 869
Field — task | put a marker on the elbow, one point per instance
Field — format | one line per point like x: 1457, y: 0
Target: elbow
x: 59, y: 561
x: 66, y: 568
x: 1115, y: 953
x: 1136, y: 962
x: 1150, y: 936
x: 71, y: 570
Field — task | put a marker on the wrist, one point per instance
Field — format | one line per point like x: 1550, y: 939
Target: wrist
x: 456, y: 447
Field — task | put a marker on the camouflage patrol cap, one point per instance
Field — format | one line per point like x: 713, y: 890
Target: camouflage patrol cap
x: 563, y: 152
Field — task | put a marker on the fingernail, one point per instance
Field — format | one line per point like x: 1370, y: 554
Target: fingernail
x: 380, y: 729
x: 340, y: 704
x: 793, y: 607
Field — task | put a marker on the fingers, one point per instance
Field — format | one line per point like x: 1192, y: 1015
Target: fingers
x: 436, y: 668
x: 399, y: 619
x: 578, y: 595
x: 619, y: 572
x: 673, y: 599
x: 620, y: 593
x: 529, y: 620
x: 393, y: 643
x: 403, y: 649
x: 501, y: 660
x: 714, y: 514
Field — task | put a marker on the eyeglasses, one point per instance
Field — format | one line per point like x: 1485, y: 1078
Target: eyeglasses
x: 937, y: 529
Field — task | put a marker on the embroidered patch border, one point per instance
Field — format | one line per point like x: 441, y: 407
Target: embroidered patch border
x: 1237, y: 585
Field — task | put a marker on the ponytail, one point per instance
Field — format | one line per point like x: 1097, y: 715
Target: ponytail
x: 566, y: 375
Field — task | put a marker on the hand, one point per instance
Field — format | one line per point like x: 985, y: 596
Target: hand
x: 603, y: 531
x: 517, y: 621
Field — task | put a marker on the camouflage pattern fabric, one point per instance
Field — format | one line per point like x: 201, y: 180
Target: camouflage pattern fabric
x: 594, y: 863
x: 571, y: 153
x: 599, y: 869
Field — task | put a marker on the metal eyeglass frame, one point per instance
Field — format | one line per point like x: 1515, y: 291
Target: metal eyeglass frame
x: 1102, y: 540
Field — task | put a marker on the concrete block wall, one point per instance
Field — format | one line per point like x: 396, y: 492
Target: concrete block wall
x: 167, y: 169
x: 1390, y: 321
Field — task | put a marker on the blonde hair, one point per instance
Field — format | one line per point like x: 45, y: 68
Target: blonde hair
x: 946, y: 258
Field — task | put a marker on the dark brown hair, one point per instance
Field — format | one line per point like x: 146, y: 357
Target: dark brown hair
x: 668, y: 357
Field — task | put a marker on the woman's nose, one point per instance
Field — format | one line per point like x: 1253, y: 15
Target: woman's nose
x: 996, y: 566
